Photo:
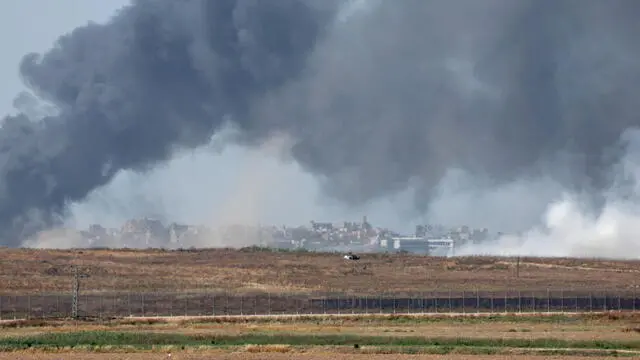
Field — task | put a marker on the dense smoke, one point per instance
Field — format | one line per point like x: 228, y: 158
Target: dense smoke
x: 379, y: 96
x: 160, y: 75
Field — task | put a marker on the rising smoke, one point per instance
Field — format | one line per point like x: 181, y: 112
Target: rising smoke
x: 379, y: 96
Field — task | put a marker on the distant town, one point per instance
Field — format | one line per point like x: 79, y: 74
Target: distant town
x: 319, y: 236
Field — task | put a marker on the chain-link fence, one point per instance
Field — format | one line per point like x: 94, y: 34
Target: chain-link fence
x: 141, y: 304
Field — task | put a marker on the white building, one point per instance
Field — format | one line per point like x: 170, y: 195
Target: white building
x: 419, y: 245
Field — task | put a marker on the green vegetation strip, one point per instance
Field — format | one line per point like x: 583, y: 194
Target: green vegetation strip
x: 374, y: 320
x: 149, y: 340
x: 482, y: 319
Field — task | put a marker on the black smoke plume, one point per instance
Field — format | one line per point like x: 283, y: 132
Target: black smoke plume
x: 379, y: 95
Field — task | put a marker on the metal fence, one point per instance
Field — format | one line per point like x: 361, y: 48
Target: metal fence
x: 138, y: 304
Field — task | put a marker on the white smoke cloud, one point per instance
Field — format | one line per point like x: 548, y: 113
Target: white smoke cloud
x: 56, y: 239
x: 568, y: 227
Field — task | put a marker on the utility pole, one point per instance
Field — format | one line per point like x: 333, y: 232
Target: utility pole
x: 76, y: 291
x: 518, y: 267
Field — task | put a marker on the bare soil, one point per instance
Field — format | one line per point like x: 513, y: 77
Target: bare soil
x: 29, y: 271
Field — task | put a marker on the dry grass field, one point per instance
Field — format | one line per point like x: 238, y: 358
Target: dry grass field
x: 272, y: 356
x: 592, y: 330
x: 581, y: 327
x: 29, y: 271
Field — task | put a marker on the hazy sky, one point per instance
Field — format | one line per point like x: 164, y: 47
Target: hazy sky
x: 199, y: 187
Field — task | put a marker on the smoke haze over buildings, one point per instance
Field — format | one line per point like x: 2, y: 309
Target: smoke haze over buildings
x: 518, y: 102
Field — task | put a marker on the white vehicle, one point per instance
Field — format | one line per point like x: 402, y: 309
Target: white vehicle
x: 351, y: 256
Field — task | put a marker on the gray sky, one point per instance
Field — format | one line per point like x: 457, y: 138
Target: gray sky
x: 47, y: 20
x: 250, y: 187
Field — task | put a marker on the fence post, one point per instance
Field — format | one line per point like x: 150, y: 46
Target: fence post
x: 353, y: 304
x: 226, y: 296
x: 213, y: 305
x: 505, y: 301
x: 380, y: 303
x: 435, y: 302
x: 477, y: 301
x: 491, y: 295
x: 562, y: 300
x: 619, y: 305
x: 269, y: 302
x: 29, y: 307
x: 202, y: 305
x: 129, y: 302
x: 548, y: 301
x: 172, y: 300
x: 576, y: 303
x: 634, y: 298
x: 519, y: 301
x: 242, y: 305
x: 409, y: 304
x: 533, y: 300
x: 142, y: 303
x: 394, y: 303
x: 366, y: 304
x: 450, y: 305
x: 464, y: 298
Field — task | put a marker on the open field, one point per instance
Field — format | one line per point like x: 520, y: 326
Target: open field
x: 519, y: 337
x: 123, y: 284
x: 28, y: 271
x: 570, y: 327
x: 37, y: 283
x: 276, y: 356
